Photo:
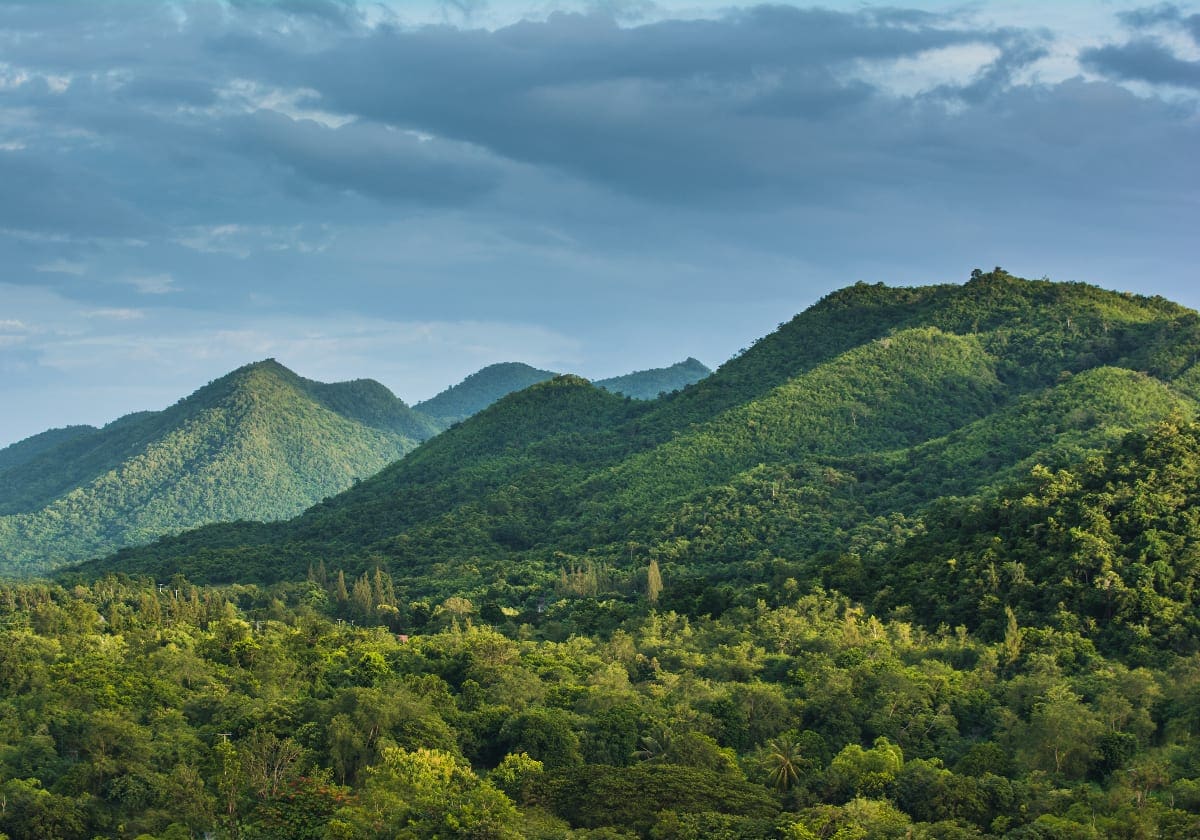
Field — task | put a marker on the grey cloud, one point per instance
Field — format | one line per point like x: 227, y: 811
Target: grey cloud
x: 369, y: 159
x: 45, y: 196
x: 172, y: 91
x: 1143, y: 60
x: 753, y: 133
x: 339, y: 12
x: 672, y: 110
x: 1021, y: 51
x: 1167, y: 13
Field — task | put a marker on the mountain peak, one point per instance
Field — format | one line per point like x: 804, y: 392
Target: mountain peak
x: 479, y: 390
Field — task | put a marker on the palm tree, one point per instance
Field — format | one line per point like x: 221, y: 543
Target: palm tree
x: 654, y: 747
x: 784, y: 762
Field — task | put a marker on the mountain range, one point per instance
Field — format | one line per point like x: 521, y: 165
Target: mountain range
x: 260, y: 443
x: 827, y: 452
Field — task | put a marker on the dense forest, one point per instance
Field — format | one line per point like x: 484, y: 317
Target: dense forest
x: 297, y: 710
x: 921, y: 563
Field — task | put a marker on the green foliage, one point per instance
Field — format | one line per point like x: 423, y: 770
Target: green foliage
x: 242, y: 712
x: 1107, y: 547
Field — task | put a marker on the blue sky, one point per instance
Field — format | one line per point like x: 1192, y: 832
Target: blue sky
x: 410, y: 191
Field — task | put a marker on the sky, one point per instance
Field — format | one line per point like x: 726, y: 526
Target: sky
x: 410, y: 191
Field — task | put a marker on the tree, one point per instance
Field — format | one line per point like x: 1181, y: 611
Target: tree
x: 1062, y: 733
x: 270, y: 762
x: 654, y: 582
x: 784, y: 762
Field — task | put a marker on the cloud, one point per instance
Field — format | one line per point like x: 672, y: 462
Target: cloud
x: 370, y: 159
x: 1153, y: 55
x: 61, y: 266
x: 1167, y: 14
x: 675, y: 109
x: 50, y: 194
x: 116, y: 314
x: 1143, y: 60
x: 153, y: 284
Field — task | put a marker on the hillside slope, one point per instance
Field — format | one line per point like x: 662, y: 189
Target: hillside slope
x: 259, y: 443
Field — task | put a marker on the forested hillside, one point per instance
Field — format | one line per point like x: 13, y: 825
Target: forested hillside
x: 920, y: 564
x: 259, y: 443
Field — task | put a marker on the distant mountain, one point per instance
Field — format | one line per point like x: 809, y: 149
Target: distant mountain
x: 486, y: 386
x: 26, y: 450
x: 259, y: 443
x: 479, y: 390
x: 649, y: 384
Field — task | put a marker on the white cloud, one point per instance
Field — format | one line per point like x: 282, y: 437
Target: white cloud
x: 911, y: 75
x: 153, y: 284
x: 116, y: 314
x: 62, y: 267
x: 244, y: 241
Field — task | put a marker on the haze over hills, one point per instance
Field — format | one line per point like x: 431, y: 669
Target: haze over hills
x: 258, y: 443
x: 841, y: 430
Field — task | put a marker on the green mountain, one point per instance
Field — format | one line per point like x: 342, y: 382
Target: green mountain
x: 649, y: 384
x: 812, y: 455
x: 26, y: 450
x: 479, y: 390
x: 259, y: 443
x: 486, y: 386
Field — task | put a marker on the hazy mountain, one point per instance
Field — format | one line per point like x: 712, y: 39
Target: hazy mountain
x: 479, y: 390
x: 259, y: 443
x: 487, y: 385
x: 26, y: 450
x: 649, y: 384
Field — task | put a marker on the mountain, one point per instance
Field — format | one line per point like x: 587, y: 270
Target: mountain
x: 823, y: 447
x: 479, y: 390
x: 26, y: 450
x: 649, y: 384
x: 258, y: 443
x: 486, y: 386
